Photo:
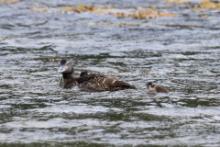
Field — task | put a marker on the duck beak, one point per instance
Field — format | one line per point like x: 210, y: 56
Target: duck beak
x: 62, y: 69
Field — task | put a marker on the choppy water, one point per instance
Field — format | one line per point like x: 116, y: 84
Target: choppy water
x: 182, y: 53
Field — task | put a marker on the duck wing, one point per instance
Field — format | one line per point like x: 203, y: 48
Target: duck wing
x: 94, y: 82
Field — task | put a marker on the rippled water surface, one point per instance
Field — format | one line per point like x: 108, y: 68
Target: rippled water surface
x: 180, y: 52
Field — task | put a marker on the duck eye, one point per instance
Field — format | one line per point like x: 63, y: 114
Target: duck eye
x: 62, y: 62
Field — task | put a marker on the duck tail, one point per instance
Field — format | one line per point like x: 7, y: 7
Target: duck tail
x: 124, y: 85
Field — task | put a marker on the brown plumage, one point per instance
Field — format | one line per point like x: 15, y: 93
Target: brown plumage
x: 153, y: 88
x: 89, y: 82
x: 98, y: 82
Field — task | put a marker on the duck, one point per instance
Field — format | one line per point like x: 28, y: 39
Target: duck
x: 66, y: 69
x: 99, y: 82
x: 89, y: 81
x: 153, y: 88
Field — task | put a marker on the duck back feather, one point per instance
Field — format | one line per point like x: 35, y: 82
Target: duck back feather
x: 97, y: 82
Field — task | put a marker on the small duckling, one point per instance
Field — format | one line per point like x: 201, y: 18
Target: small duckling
x: 153, y: 88
x: 99, y: 82
x: 66, y: 69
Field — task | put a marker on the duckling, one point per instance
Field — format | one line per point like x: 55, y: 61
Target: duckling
x: 153, y: 88
x: 99, y: 82
x: 66, y: 69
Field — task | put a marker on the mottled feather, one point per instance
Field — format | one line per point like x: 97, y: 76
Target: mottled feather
x: 98, y: 82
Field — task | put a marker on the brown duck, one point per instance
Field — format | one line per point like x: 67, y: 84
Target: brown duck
x: 89, y: 82
x: 153, y: 88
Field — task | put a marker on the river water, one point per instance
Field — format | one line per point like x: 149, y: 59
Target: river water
x: 180, y: 52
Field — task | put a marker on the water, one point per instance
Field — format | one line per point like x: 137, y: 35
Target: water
x: 181, y: 52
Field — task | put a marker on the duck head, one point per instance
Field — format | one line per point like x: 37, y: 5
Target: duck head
x: 156, y: 88
x: 150, y: 85
x: 65, y: 67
